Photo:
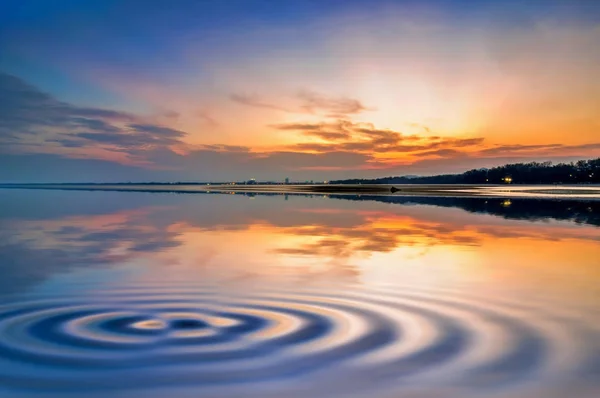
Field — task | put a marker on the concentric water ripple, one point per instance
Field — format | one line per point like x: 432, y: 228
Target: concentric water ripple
x: 158, y: 337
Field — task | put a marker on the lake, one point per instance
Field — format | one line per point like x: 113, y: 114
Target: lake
x: 246, y: 294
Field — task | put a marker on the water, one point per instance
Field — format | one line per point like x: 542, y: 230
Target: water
x: 129, y: 294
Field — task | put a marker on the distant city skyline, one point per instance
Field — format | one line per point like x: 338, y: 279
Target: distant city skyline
x: 307, y: 90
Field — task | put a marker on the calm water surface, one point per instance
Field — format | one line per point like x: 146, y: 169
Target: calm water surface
x: 129, y: 294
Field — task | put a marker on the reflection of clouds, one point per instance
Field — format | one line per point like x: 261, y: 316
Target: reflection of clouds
x: 384, y: 232
x: 32, y: 250
x: 310, y: 238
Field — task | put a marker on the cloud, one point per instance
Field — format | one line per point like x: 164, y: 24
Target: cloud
x: 207, y: 118
x: 25, y: 108
x: 447, y: 153
x: 294, y: 160
x: 30, y: 118
x: 224, y: 148
x: 254, y: 101
x: 132, y: 138
x: 585, y: 146
x: 521, y: 150
x: 308, y: 102
x: 101, y: 113
x: 297, y: 126
x: 465, y: 142
x: 336, y: 107
x: 365, y: 138
x: 157, y: 130
x: 95, y: 124
x: 325, y: 131
x: 329, y: 135
x: 503, y: 149
x: 69, y: 143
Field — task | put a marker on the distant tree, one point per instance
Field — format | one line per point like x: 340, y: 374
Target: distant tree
x: 580, y: 172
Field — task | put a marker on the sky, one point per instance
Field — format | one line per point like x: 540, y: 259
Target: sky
x: 215, y: 90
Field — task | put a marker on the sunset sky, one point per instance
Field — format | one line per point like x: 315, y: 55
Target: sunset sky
x: 312, y: 89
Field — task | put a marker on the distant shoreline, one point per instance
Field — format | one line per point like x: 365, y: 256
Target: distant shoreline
x: 583, y: 191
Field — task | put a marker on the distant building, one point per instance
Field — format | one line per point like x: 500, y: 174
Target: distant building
x: 251, y: 181
x: 287, y: 180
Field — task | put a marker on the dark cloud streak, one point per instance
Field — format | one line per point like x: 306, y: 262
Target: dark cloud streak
x: 30, y: 117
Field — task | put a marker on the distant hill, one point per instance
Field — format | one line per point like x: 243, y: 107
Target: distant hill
x: 583, y: 171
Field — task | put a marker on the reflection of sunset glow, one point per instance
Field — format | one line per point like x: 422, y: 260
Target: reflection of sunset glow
x: 382, y: 244
x: 198, y: 281
x: 387, y: 246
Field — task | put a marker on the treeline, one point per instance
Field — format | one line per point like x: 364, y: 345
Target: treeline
x: 583, y: 171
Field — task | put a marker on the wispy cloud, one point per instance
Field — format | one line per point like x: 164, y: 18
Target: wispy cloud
x: 256, y: 102
x: 336, y: 107
x: 506, y: 150
x: 306, y: 102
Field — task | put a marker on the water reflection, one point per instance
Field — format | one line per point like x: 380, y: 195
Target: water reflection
x: 132, y: 294
x: 579, y: 211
